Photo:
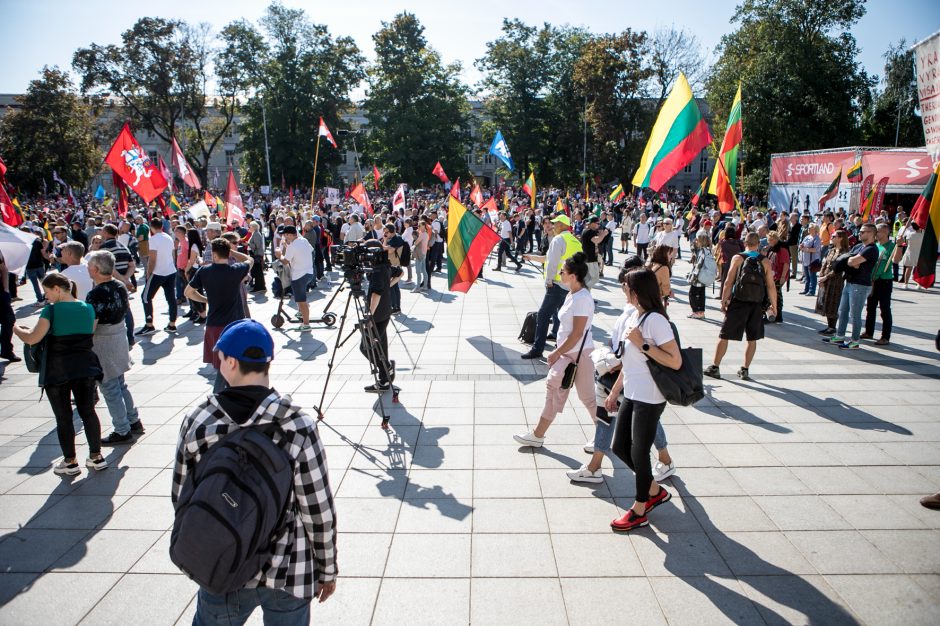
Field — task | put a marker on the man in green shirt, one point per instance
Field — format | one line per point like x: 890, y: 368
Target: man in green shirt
x: 882, y: 280
x: 142, y: 233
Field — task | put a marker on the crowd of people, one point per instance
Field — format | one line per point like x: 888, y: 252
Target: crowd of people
x: 86, y: 265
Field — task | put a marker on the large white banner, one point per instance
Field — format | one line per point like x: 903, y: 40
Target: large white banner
x: 927, y: 63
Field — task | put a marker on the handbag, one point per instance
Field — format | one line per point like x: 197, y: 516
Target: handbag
x: 34, y: 356
x: 684, y: 386
x: 571, y: 370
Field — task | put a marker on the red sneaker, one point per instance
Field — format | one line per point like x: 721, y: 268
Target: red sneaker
x: 660, y: 498
x: 629, y: 521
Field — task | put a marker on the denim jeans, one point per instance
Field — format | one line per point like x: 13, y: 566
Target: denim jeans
x: 810, y: 280
x: 280, y: 608
x: 852, y: 302
x: 120, y: 404
x: 554, y: 298
x: 35, y: 276
x: 421, y: 272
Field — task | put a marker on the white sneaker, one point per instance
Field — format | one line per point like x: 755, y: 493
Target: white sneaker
x: 67, y: 469
x: 589, y: 447
x: 584, y: 475
x: 661, y: 471
x: 529, y: 439
x: 96, y: 464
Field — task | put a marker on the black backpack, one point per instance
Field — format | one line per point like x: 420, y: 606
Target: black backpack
x: 750, y: 284
x: 231, y: 508
x: 527, y: 334
x: 405, y: 257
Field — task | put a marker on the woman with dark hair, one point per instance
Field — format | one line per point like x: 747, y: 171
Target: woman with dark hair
x: 574, y: 346
x: 729, y: 246
x: 660, y: 262
x: 648, y: 335
x: 70, y: 370
x: 831, y: 283
x: 197, y: 310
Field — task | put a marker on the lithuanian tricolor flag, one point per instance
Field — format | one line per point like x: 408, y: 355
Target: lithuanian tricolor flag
x: 469, y: 242
x: 926, y: 214
x: 831, y: 190
x: 529, y: 187
x: 678, y: 135
x: 616, y: 194
x: 854, y: 174
x: 174, y: 205
x: 724, y: 186
x: 700, y: 193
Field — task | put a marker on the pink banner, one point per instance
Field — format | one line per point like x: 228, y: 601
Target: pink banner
x: 900, y: 168
x: 809, y: 168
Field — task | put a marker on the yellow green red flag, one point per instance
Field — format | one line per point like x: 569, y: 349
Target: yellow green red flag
x: 469, y: 242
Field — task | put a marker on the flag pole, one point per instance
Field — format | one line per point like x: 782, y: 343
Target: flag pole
x: 313, y: 185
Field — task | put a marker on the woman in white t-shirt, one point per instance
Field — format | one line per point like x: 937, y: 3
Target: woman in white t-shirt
x: 574, y: 337
x: 648, y: 335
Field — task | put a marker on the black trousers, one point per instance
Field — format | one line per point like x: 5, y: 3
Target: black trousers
x: 505, y: 248
x: 60, y: 397
x: 378, y: 356
x: 880, y: 296
x: 641, y: 250
x: 697, y: 298
x: 633, y: 438
x: 257, y: 273
x: 7, y: 320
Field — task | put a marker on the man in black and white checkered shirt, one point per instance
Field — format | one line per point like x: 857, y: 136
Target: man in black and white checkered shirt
x: 303, y: 561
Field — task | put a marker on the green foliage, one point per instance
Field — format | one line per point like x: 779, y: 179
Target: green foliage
x: 417, y: 107
x: 50, y: 130
x: 298, y: 72
x: 802, y: 86
x: 889, y: 119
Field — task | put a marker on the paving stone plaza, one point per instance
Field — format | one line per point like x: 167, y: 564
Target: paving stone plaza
x: 795, y: 500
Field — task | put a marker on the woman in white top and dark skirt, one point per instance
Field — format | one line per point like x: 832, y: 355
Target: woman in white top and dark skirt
x: 648, y: 335
x: 574, y: 336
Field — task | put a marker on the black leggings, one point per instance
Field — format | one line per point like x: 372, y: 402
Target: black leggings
x: 697, y: 298
x: 633, y: 438
x: 60, y: 397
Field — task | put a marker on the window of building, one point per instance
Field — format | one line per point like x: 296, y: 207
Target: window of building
x: 688, y: 168
x: 703, y: 164
x: 230, y: 158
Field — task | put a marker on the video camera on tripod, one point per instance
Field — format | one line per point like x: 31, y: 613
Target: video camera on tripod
x: 357, y: 259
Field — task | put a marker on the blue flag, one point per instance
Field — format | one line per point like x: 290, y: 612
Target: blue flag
x: 99, y: 194
x: 501, y: 151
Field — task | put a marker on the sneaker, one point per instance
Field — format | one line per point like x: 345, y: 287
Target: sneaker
x: 849, y: 345
x: 742, y: 374
x: 532, y: 355
x: 171, y: 328
x: 589, y: 447
x: 827, y: 331
x: 529, y: 439
x: 12, y: 358
x: 304, y: 328
x: 137, y: 428
x: 629, y: 521
x: 116, y: 438
x: 67, y: 469
x: 660, y: 498
x: 551, y: 337
x: 584, y: 475
x: 662, y: 471
x: 377, y: 388
x: 712, y: 371
x: 834, y: 339
x: 146, y: 330
x: 96, y: 464
x: 199, y: 320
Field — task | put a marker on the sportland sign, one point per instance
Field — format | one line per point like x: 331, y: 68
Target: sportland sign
x: 799, y: 179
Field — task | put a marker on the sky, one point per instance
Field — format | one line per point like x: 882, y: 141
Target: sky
x: 47, y: 32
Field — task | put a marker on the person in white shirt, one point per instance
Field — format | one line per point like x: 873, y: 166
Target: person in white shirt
x: 642, y: 231
x: 669, y: 237
x: 611, y: 226
x: 505, y: 243
x: 161, y: 274
x: 298, y: 253
x: 355, y: 232
x: 75, y: 269
x: 574, y: 347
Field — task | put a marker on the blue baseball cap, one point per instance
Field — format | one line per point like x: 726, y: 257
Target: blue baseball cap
x: 239, y: 336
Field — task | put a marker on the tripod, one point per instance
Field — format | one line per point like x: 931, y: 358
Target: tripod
x: 375, y: 354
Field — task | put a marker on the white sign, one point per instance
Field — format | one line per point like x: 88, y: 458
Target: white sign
x: 265, y: 189
x: 927, y: 65
x: 332, y: 195
x: 200, y: 209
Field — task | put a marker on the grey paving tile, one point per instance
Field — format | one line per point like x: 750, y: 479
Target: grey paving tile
x: 158, y: 599
x: 506, y: 456
x: 841, y: 552
x: 507, y: 601
x: 678, y: 554
x: 77, y: 592
x: 729, y: 514
x: 631, y: 597
x: 17, y: 511
x: 423, y: 601
x: 352, y: 604
x: 435, y: 515
x: 508, y: 515
x: 595, y: 555
x: 897, y: 601
x: 784, y: 600
x: 429, y: 484
x: 419, y: 556
x: 29, y: 550
x: 704, y: 600
x: 107, y: 551
x: 831, y: 480
x: 142, y: 513
x: 869, y: 512
x: 506, y: 484
x: 760, y: 553
x: 580, y: 515
x: 363, y: 554
x: 801, y: 513
x: 913, y: 551
x: 512, y: 556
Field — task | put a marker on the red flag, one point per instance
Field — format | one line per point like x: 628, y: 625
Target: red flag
x: 210, y: 200
x: 166, y: 172
x: 185, y: 172
x: 398, y: 201
x: 864, y: 192
x: 121, y: 189
x: 490, y: 205
x: 161, y: 202
x: 325, y: 132
x: 3, y: 170
x: 455, y: 189
x: 376, y: 175
x: 7, y: 211
x: 361, y: 196
x: 439, y: 172
x: 476, y: 196
x: 290, y: 195
x: 132, y: 164
x: 234, y: 208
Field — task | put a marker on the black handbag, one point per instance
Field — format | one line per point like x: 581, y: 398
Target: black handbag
x: 571, y: 370
x: 34, y: 356
x: 684, y: 386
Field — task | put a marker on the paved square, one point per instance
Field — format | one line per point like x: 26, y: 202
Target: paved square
x: 795, y: 499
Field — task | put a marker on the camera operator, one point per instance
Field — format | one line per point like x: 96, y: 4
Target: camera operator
x: 381, y: 280
x: 393, y: 244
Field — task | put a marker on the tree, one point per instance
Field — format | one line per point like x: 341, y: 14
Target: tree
x: 672, y: 51
x: 51, y: 129
x: 611, y: 73
x: 889, y: 119
x: 417, y: 108
x: 802, y: 85
x: 161, y: 72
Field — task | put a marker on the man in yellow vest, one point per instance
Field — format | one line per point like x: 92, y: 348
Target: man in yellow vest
x: 563, y: 245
